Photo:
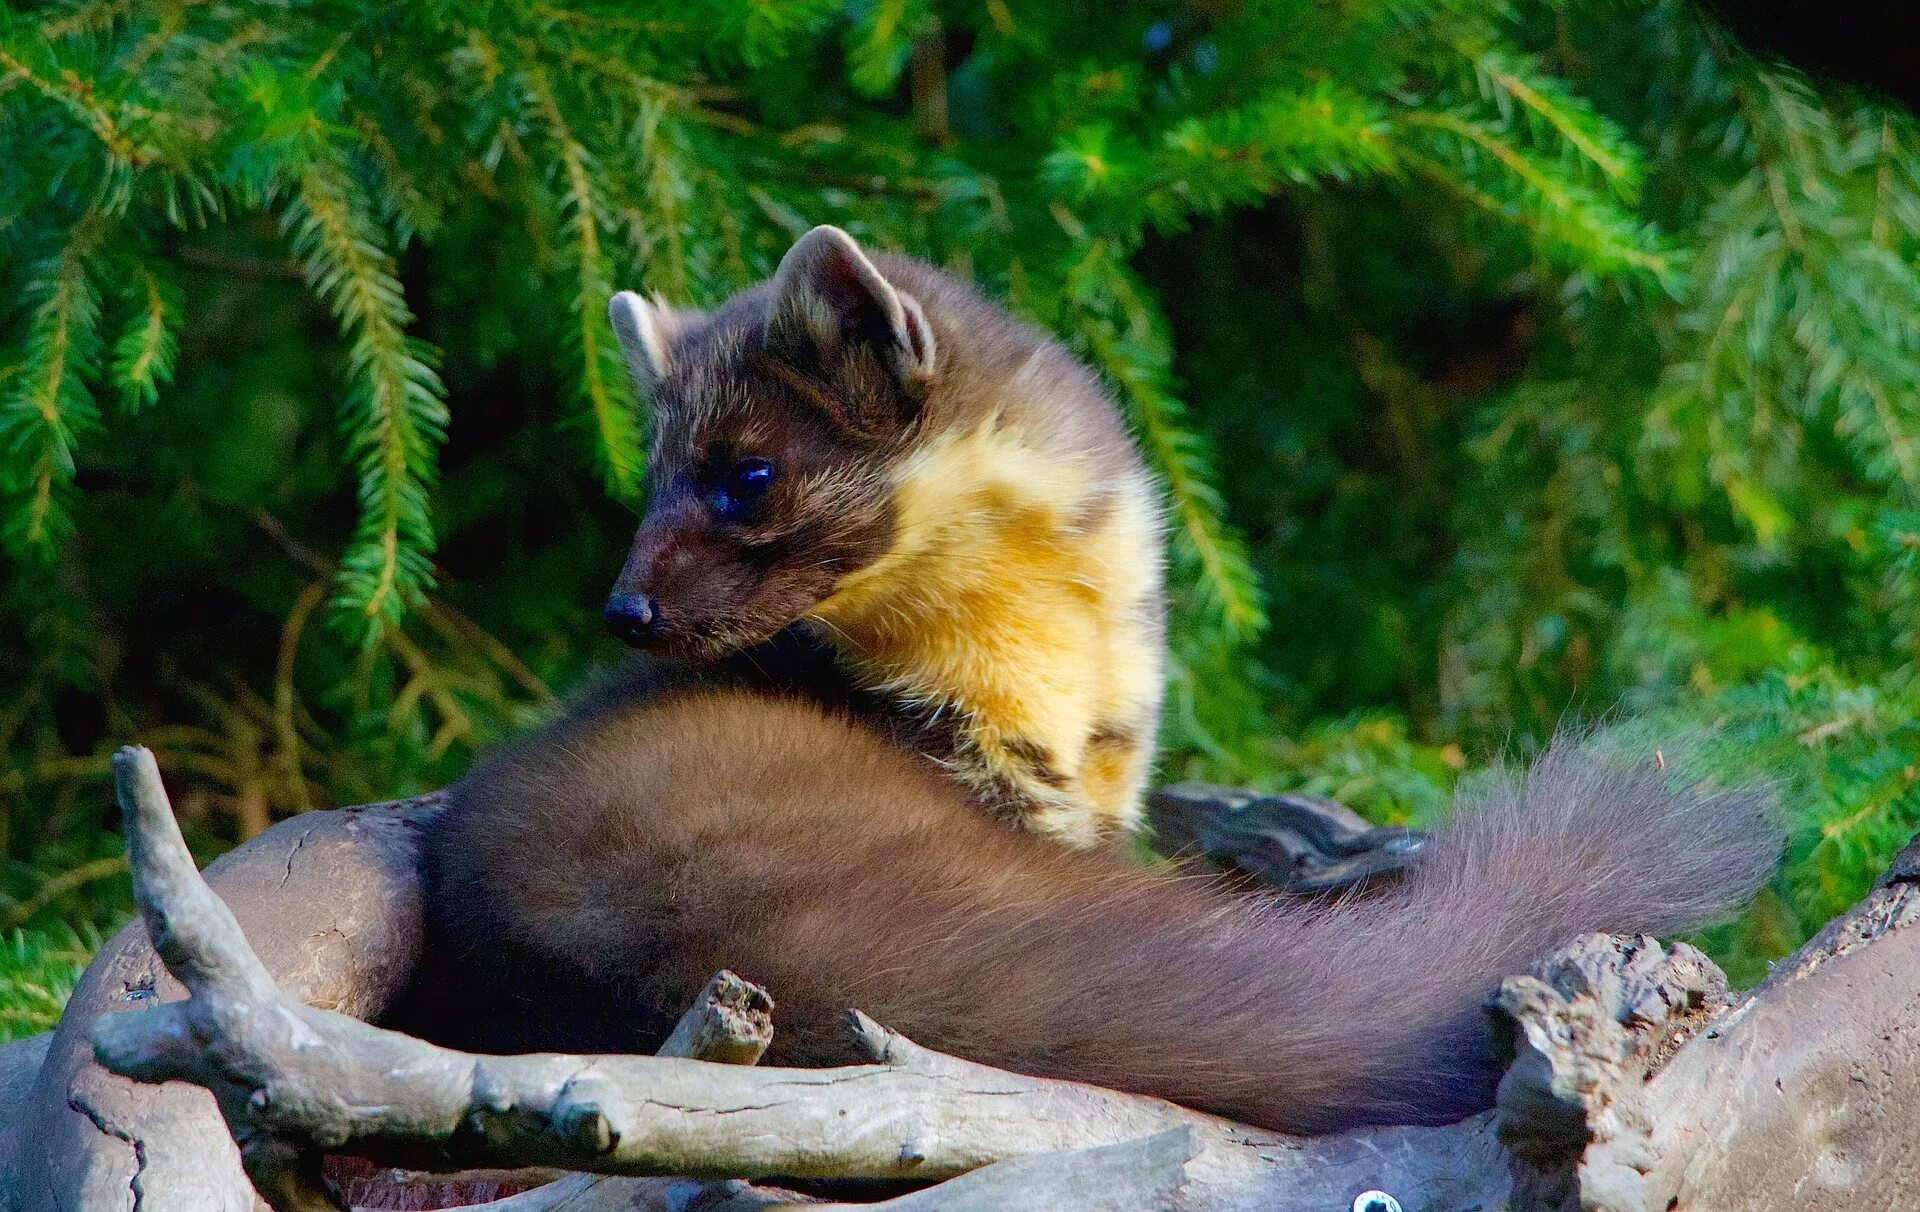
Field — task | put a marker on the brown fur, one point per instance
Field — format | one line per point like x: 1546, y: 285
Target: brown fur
x: 958, y: 511
x: 591, y: 878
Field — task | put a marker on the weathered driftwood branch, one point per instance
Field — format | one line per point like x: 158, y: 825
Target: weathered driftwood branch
x: 287, y: 1076
x: 732, y: 1023
x: 20, y: 1065
x: 1640, y: 1086
x: 331, y: 905
x: 729, y: 1023
x: 1133, y: 1175
x: 732, y: 1019
x: 1136, y: 1174
x: 1304, y: 844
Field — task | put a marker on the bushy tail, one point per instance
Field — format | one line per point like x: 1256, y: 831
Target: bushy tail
x: 1317, y: 1017
x: 1590, y: 838
x: 598, y: 883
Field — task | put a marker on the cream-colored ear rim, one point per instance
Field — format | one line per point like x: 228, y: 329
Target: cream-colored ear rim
x: 643, y: 330
x: 918, y: 354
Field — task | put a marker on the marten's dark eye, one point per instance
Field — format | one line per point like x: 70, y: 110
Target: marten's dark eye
x: 742, y: 489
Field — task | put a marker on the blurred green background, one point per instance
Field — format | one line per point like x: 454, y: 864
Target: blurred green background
x: 1504, y: 363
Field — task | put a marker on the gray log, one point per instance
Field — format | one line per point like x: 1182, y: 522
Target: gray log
x: 331, y: 907
x: 1803, y: 1094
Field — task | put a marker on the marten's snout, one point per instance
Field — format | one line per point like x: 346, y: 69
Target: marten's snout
x: 633, y: 617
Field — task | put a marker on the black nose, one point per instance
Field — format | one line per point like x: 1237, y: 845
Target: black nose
x: 633, y: 617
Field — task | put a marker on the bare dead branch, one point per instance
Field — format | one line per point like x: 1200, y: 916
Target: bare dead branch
x: 1640, y: 1086
x: 331, y: 904
x: 1135, y: 1176
x: 730, y: 1023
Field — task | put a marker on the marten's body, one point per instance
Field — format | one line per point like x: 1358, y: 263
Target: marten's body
x: 889, y: 463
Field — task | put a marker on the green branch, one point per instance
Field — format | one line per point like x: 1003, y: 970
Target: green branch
x: 394, y: 415
x: 618, y: 449
x: 50, y: 404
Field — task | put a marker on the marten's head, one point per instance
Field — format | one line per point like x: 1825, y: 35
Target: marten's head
x: 777, y: 421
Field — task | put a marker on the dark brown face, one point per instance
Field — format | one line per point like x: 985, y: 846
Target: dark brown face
x: 755, y: 512
x: 776, y: 421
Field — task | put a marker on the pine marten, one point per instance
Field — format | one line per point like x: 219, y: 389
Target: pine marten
x: 870, y: 445
x: 944, y: 497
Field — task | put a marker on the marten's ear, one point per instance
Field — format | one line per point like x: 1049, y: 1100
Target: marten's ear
x: 831, y: 305
x: 646, y: 332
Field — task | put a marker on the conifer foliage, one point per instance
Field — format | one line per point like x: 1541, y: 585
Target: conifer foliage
x: 1498, y: 360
